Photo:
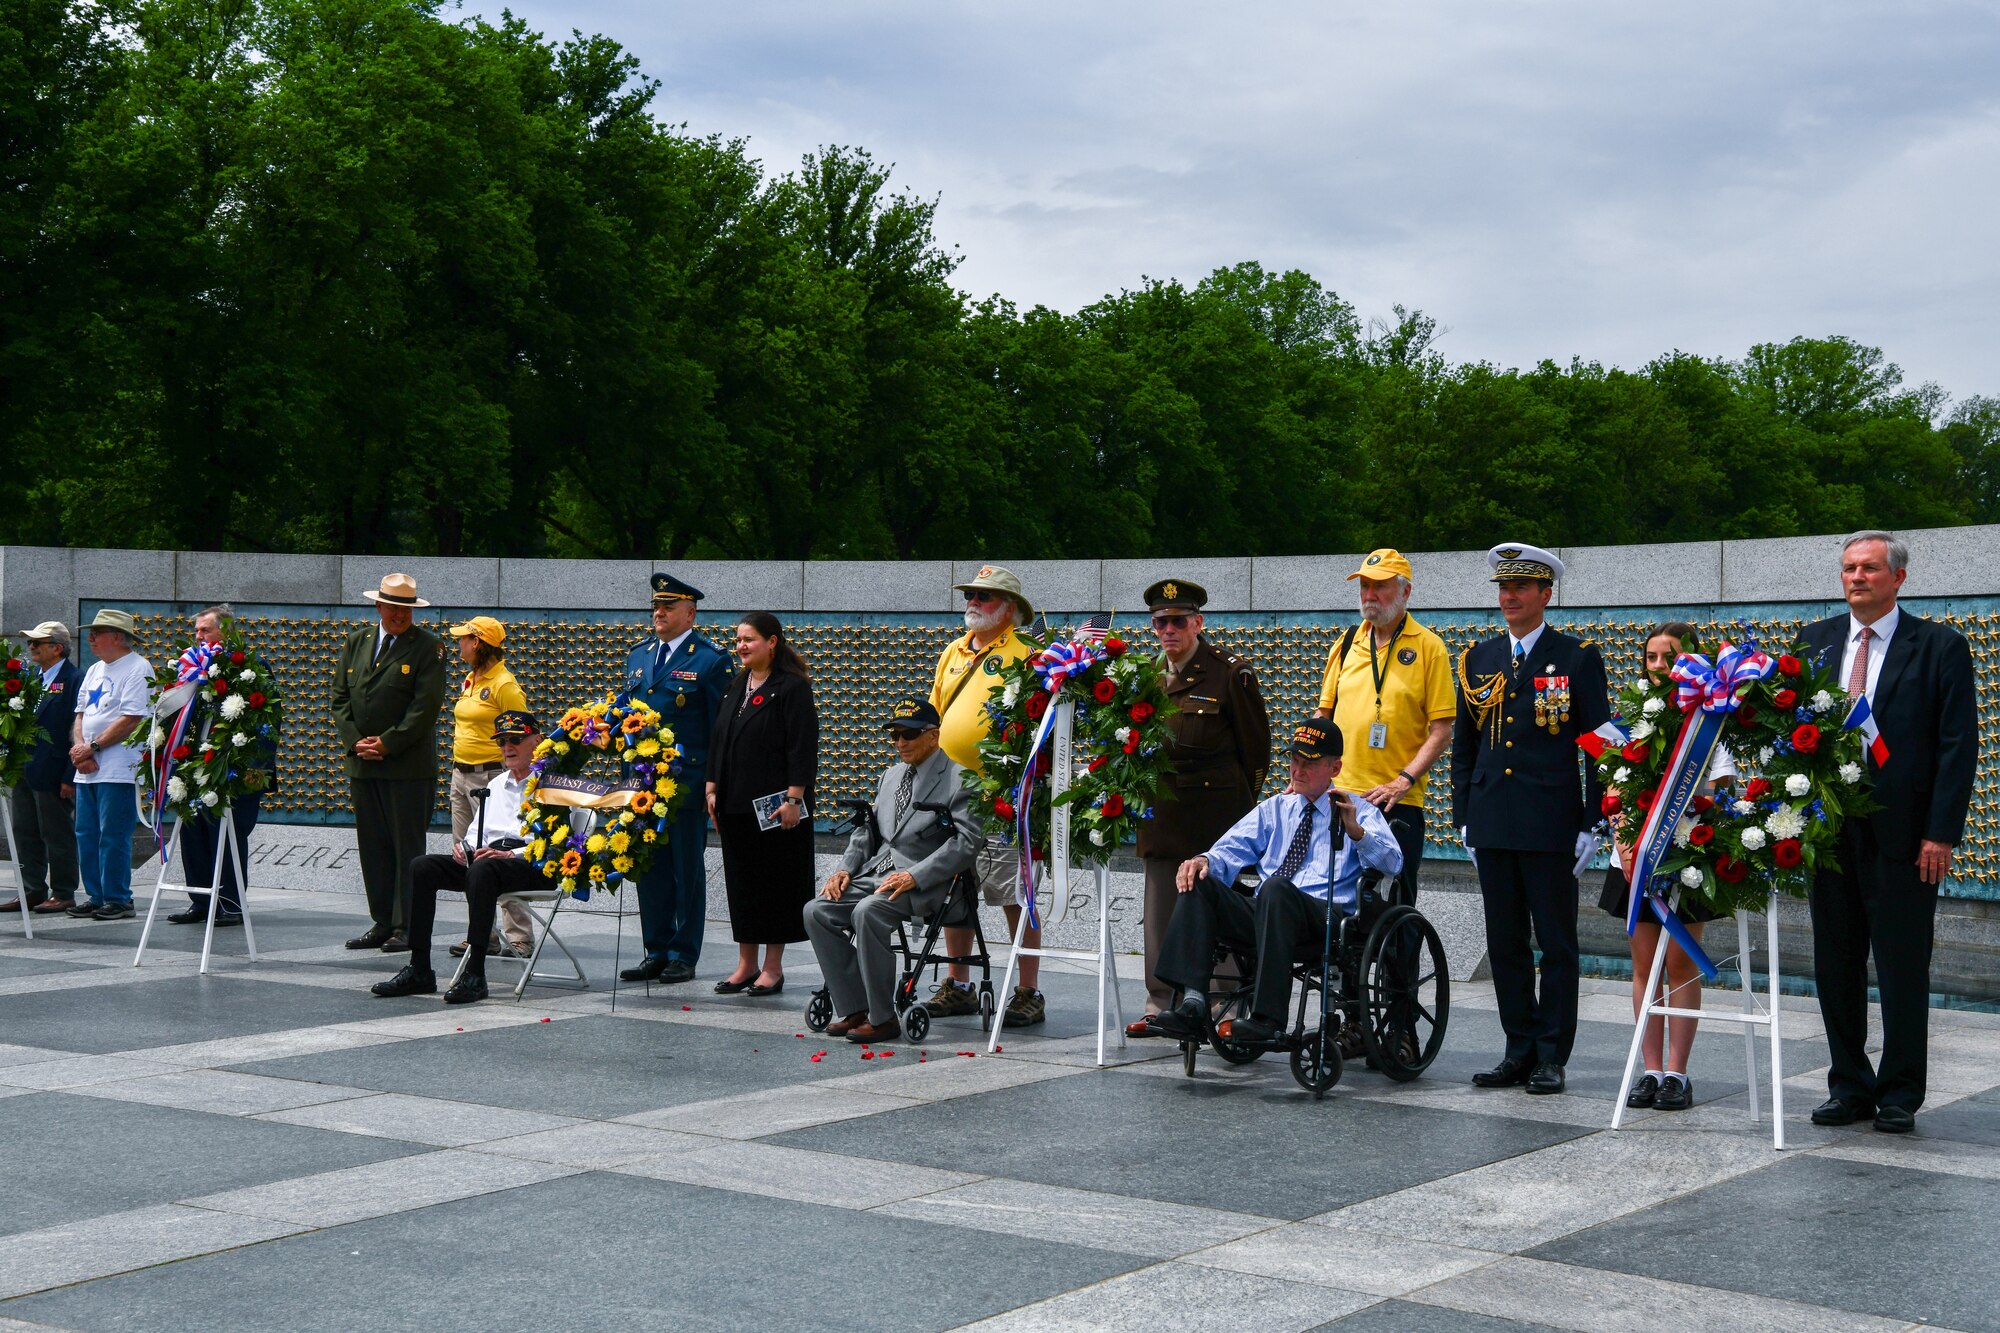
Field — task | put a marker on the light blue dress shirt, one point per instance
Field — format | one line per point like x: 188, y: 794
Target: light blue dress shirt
x: 1262, y: 837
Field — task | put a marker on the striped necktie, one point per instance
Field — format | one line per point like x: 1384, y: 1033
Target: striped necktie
x: 1857, y: 675
x: 1295, y: 855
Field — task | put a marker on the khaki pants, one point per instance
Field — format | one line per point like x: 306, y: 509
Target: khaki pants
x: 519, y: 925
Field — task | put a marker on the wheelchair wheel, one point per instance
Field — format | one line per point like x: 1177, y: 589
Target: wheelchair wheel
x: 1188, y: 1050
x: 986, y: 1007
x: 1405, y: 994
x: 1316, y: 1062
x: 819, y: 1011
x: 916, y: 1022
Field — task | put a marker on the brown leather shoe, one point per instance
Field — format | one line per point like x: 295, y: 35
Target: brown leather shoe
x: 1143, y: 1027
x: 875, y: 1032
x: 840, y: 1027
x: 51, y: 906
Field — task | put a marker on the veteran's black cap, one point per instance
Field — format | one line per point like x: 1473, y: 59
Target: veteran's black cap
x: 1176, y: 595
x: 667, y: 588
x: 514, y: 724
x: 912, y: 712
x: 1315, y: 738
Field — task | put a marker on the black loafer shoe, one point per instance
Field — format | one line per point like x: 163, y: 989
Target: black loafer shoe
x: 1644, y: 1093
x: 676, y: 972
x: 228, y: 919
x: 728, y: 987
x: 396, y: 943
x: 1507, y: 1074
x: 1547, y: 1079
x: 1676, y: 1094
x: 370, y: 938
x: 189, y: 916
x: 409, y: 981
x: 1895, y: 1120
x: 466, y: 989
x: 1252, y: 1029
x: 1186, y: 1021
x: 645, y: 971
x: 1839, y: 1111
x: 759, y: 988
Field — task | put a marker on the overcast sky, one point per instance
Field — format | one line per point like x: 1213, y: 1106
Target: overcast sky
x: 1591, y: 179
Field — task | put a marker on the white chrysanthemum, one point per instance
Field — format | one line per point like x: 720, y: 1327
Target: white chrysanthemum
x: 1798, y: 784
x: 210, y: 799
x: 1753, y: 839
x: 1622, y: 775
x: 1764, y: 754
x: 1850, y: 773
x: 1741, y: 808
x: 1641, y: 729
x: 176, y: 789
x: 247, y: 676
x: 232, y: 707
x: 1652, y: 706
x: 1010, y: 695
x: 1124, y: 734
x: 240, y: 739
x: 1098, y: 836
x: 214, y: 670
x: 1785, y: 823
x: 18, y: 704
x: 1822, y: 701
x: 1681, y: 831
x: 1691, y: 876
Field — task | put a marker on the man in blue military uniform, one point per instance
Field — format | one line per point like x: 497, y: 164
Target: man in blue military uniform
x: 1523, y: 698
x: 681, y: 674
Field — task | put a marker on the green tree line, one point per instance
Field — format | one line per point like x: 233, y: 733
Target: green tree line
x: 354, y: 275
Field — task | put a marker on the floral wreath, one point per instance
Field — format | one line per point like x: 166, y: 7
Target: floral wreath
x: 1792, y: 734
x: 22, y: 689
x: 1118, y: 739
x: 626, y: 821
x: 227, y: 690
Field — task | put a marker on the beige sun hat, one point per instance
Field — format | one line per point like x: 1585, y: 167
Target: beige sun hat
x: 121, y: 621
x: 397, y: 590
x: 994, y: 578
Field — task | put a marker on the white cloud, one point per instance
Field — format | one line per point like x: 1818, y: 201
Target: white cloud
x: 1547, y: 180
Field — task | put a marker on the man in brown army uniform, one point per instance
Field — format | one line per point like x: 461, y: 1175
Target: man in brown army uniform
x: 1222, y: 747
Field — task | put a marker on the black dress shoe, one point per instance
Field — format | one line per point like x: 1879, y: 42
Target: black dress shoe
x: 759, y: 988
x: 1895, y: 1120
x: 370, y: 938
x: 228, y: 919
x: 396, y: 943
x: 1507, y: 1074
x: 1252, y: 1029
x: 1547, y: 1078
x: 1645, y: 1091
x: 645, y: 971
x: 1186, y: 1021
x: 470, y: 987
x: 1676, y: 1093
x: 1839, y: 1111
x: 728, y: 987
x: 189, y: 916
x: 409, y: 981
x: 676, y: 972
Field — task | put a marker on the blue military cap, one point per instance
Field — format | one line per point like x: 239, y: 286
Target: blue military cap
x: 667, y: 588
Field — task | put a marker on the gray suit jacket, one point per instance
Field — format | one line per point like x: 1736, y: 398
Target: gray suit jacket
x: 918, y: 844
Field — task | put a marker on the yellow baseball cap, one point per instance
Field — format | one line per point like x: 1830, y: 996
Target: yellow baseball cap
x: 484, y: 628
x: 1382, y: 563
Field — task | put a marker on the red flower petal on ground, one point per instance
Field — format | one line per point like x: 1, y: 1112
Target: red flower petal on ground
x: 687, y: 1008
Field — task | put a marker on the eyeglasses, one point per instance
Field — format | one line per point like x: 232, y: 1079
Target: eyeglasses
x: 981, y: 595
x: 905, y: 733
x: 1171, y: 622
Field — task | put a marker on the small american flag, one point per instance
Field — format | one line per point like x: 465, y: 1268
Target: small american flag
x: 1093, y: 630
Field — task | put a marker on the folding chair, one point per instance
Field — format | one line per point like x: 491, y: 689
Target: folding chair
x: 529, y: 899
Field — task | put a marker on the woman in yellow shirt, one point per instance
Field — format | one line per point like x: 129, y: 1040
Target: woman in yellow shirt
x: 489, y: 690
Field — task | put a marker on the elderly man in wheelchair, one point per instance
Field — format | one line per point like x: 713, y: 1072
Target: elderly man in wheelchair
x: 899, y: 865
x: 1313, y: 847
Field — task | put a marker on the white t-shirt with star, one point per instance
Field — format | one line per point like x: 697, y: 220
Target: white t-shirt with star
x: 112, y: 690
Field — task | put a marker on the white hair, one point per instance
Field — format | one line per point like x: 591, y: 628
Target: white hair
x: 1898, y: 549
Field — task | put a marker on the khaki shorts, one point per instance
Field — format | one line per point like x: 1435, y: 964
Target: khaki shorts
x: 998, y: 866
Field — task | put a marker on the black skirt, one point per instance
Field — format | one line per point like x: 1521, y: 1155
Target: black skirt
x: 1617, y: 900
x: 768, y: 877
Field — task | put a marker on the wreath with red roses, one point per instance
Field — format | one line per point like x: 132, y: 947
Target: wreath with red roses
x: 20, y: 695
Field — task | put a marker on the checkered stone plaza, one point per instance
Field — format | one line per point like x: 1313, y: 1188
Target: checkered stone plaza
x: 271, y: 1147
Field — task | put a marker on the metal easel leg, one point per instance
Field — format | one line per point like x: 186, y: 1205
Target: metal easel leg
x: 1749, y: 1007
x: 243, y: 894
x: 226, y: 840
x: 1777, y: 1052
x: 1007, y: 979
x: 159, y: 887
x: 14, y: 849
x: 1639, y: 1031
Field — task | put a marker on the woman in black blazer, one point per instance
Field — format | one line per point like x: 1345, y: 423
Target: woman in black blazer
x: 766, y: 741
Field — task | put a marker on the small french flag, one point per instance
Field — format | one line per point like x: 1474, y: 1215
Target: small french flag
x: 1861, y: 717
x: 1607, y: 737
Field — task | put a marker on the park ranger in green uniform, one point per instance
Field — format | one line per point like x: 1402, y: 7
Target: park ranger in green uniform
x: 388, y: 686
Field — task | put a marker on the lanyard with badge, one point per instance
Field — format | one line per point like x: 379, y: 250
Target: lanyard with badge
x: 1378, y: 732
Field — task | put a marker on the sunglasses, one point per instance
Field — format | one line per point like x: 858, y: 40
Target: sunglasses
x: 1170, y: 622
x: 981, y: 595
x: 905, y: 734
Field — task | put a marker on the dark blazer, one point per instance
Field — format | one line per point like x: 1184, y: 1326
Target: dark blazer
x: 49, y: 766
x: 770, y: 744
x: 686, y: 690
x: 1221, y: 749
x: 397, y: 698
x: 1526, y: 794
x: 1926, y: 704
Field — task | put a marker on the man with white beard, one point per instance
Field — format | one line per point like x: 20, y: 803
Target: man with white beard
x: 1390, y: 693
x: 966, y: 676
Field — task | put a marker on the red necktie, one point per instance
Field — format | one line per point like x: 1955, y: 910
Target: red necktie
x: 1857, y: 676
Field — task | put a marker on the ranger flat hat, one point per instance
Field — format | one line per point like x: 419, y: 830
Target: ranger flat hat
x: 667, y: 588
x: 397, y: 590
x: 912, y: 712
x: 118, y: 620
x: 1315, y: 738
x: 1518, y: 560
x: 1384, y: 562
x: 514, y: 724
x: 1176, y: 595
x: 49, y: 631
x: 995, y: 578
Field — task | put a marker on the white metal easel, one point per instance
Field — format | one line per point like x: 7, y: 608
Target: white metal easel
x: 225, y: 848
x: 1055, y: 903
x: 14, y: 861
x: 1750, y: 1019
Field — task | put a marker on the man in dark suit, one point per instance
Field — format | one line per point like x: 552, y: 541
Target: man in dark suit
x: 388, y: 686
x: 44, y: 803
x: 682, y: 675
x: 1917, y: 677
x: 1220, y: 752
x: 201, y: 839
x: 1524, y: 697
